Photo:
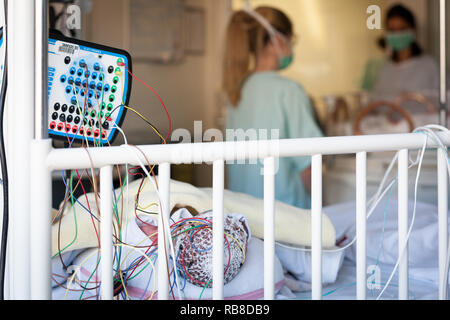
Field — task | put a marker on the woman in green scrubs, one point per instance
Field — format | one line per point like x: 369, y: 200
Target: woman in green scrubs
x: 260, y: 98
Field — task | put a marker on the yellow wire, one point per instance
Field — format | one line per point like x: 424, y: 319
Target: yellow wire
x: 140, y: 115
x: 239, y: 244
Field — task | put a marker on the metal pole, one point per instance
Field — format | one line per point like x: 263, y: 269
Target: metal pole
x: 403, y: 224
x: 106, y: 233
x: 163, y: 240
x: 316, y: 213
x: 41, y: 221
x: 21, y: 103
x: 218, y: 231
x: 40, y: 175
x: 443, y: 220
x: 443, y: 65
x: 41, y: 66
x: 269, y: 228
x: 361, y: 224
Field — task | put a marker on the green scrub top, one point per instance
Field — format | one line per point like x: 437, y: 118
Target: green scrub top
x: 270, y: 101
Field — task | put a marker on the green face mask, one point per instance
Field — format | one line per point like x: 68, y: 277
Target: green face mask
x: 285, y: 62
x: 400, y: 41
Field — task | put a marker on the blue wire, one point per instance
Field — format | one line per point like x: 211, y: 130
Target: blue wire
x: 76, y: 200
x: 384, y: 226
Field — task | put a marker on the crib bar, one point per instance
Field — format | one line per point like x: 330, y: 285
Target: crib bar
x: 269, y: 228
x: 316, y: 213
x: 218, y: 232
x: 76, y: 158
x: 41, y: 76
x: 21, y: 106
x: 163, y: 230
x: 442, y: 63
x: 41, y: 221
x: 403, y: 224
x: 443, y: 219
x: 106, y: 233
x: 361, y: 195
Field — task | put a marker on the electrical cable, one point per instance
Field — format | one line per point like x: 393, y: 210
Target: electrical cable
x: 4, y: 167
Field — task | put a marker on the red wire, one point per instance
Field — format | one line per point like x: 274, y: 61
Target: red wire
x: 85, y: 195
x: 150, y: 88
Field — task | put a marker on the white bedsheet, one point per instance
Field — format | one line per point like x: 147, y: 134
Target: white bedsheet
x: 382, y: 246
x: 345, y: 287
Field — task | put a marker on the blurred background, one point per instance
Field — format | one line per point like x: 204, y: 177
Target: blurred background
x: 177, y: 47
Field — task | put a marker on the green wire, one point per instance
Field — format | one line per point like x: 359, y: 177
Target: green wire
x: 89, y: 279
x: 206, y: 285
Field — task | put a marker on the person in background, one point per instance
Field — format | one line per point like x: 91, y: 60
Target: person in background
x: 408, y: 70
x: 259, y: 45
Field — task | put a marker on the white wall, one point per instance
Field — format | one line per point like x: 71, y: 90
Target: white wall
x: 189, y: 89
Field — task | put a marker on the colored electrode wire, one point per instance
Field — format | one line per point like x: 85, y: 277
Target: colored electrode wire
x: 150, y: 88
x: 129, y: 273
x: 150, y: 255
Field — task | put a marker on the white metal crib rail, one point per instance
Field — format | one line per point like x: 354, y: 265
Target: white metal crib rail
x: 30, y: 248
x: 218, y: 153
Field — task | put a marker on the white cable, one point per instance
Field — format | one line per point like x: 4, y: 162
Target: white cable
x: 428, y: 130
x: 164, y: 219
x: 380, y: 195
x: 159, y: 197
x: 354, y: 239
x: 402, y: 251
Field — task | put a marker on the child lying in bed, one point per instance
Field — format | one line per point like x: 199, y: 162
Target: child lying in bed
x: 243, y: 261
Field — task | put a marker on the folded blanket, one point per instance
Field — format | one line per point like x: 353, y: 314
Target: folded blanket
x: 292, y: 225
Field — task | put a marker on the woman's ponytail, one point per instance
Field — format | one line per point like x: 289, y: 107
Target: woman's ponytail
x: 245, y: 38
x: 237, y: 55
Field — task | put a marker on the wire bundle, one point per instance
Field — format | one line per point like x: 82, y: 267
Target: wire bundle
x: 75, y: 180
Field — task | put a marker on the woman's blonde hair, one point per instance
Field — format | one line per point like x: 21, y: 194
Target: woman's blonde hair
x: 246, y: 37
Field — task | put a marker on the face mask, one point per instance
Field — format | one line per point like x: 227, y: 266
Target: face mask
x: 285, y: 62
x: 400, y: 41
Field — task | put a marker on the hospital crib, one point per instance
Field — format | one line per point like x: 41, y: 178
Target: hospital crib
x: 47, y: 160
x: 31, y: 199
